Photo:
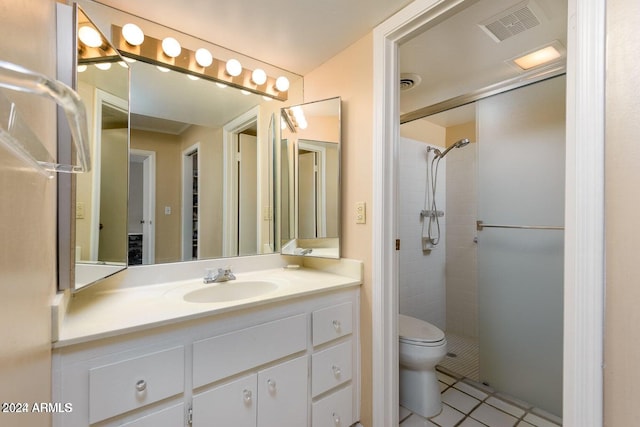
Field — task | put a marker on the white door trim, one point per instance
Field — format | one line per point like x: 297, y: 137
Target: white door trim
x: 187, y: 203
x: 584, y: 210
x: 100, y: 98
x: 230, y: 180
x: 149, y: 204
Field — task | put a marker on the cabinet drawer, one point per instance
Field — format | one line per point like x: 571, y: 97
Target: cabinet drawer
x: 335, y: 410
x: 170, y: 417
x: 133, y: 383
x: 225, y: 355
x: 231, y: 404
x: 330, y: 368
x: 332, y: 322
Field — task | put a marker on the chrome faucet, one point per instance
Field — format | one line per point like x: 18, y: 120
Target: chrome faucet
x: 222, y: 275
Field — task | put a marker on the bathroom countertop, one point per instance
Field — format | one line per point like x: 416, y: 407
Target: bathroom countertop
x: 97, y: 312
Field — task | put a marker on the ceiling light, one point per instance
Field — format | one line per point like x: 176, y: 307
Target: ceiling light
x: 258, y: 76
x: 282, y: 84
x: 204, y: 57
x: 90, y: 36
x: 234, y: 68
x: 171, y: 47
x: 538, y: 57
x: 133, y: 34
x: 104, y: 66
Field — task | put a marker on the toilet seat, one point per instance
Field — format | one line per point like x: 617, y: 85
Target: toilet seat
x: 418, y: 332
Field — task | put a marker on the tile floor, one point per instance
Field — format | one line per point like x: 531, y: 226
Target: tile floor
x: 467, y: 403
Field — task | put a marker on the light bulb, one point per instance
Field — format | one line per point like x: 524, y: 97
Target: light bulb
x: 171, y: 47
x: 133, y: 34
x: 282, y: 84
x: 259, y: 77
x: 204, y: 57
x: 90, y: 36
x: 234, y: 68
x: 104, y: 66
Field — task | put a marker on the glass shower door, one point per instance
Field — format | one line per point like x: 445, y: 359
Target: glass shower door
x: 521, y: 152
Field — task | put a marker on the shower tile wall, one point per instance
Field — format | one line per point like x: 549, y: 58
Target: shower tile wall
x: 461, y: 271
x: 422, y: 274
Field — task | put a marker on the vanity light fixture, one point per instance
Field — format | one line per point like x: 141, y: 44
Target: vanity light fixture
x: 133, y: 34
x: 90, y: 36
x: 171, y: 47
x: 233, y: 67
x: 259, y: 77
x: 204, y: 57
x: 169, y: 55
x: 282, y: 84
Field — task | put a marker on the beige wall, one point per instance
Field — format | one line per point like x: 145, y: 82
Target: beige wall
x: 27, y: 224
x: 622, y: 205
x: 350, y: 76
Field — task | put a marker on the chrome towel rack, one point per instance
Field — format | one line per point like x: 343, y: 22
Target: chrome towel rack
x: 16, y: 135
x: 481, y: 225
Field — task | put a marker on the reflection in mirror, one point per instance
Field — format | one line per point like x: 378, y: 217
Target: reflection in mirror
x: 310, y: 179
x: 199, y: 176
x: 101, y: 194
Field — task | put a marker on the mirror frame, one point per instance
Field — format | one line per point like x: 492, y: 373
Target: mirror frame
x: 67, y: 21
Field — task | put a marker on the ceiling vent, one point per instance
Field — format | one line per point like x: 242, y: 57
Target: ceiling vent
x: 513, y: 21
x: 409, y: 81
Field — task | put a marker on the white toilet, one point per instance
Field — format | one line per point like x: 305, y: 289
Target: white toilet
x: 422, y: 346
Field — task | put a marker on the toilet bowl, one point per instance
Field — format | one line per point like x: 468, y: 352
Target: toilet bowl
x: 421, y: 347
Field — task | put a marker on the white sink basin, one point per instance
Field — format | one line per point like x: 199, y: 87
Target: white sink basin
x: 230, y: 291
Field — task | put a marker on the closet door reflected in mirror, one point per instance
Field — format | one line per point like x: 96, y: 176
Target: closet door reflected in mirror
x: 310, y: 179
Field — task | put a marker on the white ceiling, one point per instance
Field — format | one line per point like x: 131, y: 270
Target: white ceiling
x: 456, y: 56
x: 297, y: 36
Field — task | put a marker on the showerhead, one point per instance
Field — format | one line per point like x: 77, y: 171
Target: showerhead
x: 458, y: 144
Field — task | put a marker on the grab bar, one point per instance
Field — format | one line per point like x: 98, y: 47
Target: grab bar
x: 19, y: 138
x: 480, y: 225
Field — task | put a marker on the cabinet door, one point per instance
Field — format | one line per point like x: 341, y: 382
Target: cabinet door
x: 282, y: 394
x: 231, y: 404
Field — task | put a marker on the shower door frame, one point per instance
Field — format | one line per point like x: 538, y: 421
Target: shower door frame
x: 584, y: 207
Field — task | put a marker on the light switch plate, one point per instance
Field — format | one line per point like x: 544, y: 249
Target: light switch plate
x: 361, y: 213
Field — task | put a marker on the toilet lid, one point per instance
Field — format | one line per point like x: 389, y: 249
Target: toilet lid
x: 412, y: 329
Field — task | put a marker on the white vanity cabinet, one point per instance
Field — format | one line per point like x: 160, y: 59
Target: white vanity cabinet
x: 289, y: 363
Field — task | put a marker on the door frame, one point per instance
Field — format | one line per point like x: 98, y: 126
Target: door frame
x: 230, y: 180
x: 148, y: 204
x: 584, y: 207
x: 186, y: 203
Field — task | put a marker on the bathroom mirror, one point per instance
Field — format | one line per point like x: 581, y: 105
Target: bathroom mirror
x: 310, y: 179
x: 96, y: 201
x: 211, y: 193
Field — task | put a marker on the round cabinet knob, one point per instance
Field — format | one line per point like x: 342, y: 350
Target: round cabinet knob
x: 246, y: 395
x: 272, y: 385
x: 141, y: 385
x: 336, y: 418
x: 336, y: 325
x: 336, y: 370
